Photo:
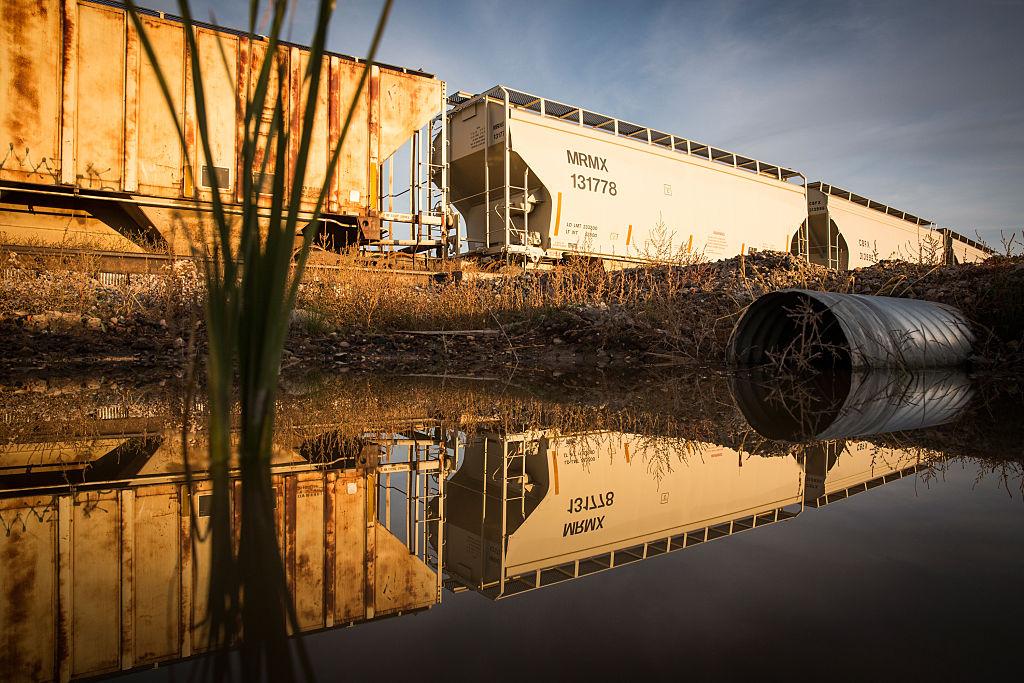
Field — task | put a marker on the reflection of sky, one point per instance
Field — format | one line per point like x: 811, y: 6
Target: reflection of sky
x: 919, y: 105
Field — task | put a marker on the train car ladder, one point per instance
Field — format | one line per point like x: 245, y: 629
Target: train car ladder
x: 513, y: 471
x: 803, y: 242
x: 833, y: 249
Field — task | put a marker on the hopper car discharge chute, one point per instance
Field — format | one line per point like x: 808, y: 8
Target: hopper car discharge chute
x: 539, y: 179
x: 90, y: 155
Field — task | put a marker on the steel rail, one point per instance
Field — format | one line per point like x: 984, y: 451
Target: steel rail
x: 148, y: 263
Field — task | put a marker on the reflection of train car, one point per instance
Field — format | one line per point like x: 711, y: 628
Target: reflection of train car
x: 837, y: 470
x: 527, y: 510
x: 103, y: 575
x: 89, y: 154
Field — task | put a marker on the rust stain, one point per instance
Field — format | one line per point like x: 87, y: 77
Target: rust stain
x: 242, y: 84
x: 23, y: 87
x: 18, y: 584
x: 330, y: 540
x: 295, y: 98
x: 373, y: 132
x: 554, y: 464
x: 333, y: 127
x: 67, y: 41
x: 558, y: 214
x: 289, y: 530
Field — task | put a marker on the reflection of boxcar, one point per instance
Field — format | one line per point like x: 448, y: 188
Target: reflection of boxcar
x: 599, y: 186
x: 89, y: 153
x: 98, y: 571
x: 103, y: 578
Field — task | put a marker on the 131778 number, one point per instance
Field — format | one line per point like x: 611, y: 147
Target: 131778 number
x: 594, y: 502
x: 599, y: 185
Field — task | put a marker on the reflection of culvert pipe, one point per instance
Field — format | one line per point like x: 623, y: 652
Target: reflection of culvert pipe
x: 848, y: 405
x: 852, y: 330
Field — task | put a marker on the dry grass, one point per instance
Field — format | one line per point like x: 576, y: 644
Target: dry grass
x: 74, y: 283
x: 381, y: 301
x: 680, y: 312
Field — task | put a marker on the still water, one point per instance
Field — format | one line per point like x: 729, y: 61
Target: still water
x: 735, y: 527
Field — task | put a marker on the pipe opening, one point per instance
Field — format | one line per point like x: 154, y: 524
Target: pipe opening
x: 790, y: 330
x: 789, y: 407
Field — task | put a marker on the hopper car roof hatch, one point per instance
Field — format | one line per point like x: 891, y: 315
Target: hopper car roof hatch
x: 625, y: 129
x: 869, y: 203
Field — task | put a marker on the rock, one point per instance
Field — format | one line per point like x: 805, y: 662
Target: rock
x: 54, y: 321
x: 36, y: 386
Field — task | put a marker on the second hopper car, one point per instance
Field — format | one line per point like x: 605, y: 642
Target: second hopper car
x: 847, y: 230
x: 90, y: 155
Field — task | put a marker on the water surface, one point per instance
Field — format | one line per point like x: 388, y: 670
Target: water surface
x: 701, y: 525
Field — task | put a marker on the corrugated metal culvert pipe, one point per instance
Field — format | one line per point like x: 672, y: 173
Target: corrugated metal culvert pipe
x: 795, y: 326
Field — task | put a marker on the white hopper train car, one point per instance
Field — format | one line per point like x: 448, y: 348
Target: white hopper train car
x: 847, y: 230
x: 542, y: 180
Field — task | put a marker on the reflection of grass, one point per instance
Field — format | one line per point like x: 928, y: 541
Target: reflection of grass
x: 251, y: 289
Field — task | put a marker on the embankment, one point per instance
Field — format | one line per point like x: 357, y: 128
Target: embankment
x: 572, y: 318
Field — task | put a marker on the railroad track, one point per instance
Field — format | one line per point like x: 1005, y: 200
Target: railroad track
x: 147, y: 263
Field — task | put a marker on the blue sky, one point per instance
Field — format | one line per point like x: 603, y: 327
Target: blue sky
x: 916, y: 104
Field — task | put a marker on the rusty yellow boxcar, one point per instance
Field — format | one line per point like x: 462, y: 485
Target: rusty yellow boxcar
x: 89, y: 154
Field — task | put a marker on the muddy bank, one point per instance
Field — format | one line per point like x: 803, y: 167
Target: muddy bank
x: 691, y: 405
x: 568, y: 321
